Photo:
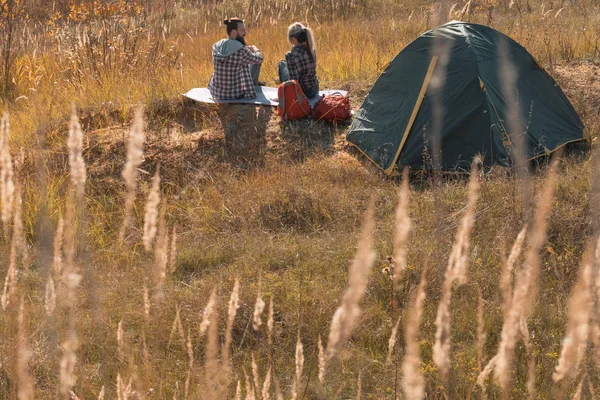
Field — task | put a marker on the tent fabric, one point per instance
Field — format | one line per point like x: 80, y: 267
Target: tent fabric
x: 459, y: 67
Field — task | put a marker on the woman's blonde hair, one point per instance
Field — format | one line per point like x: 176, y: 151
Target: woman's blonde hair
x: 304, y: 35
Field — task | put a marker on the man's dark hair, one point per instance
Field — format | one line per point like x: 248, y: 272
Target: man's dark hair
x: 232, y: 24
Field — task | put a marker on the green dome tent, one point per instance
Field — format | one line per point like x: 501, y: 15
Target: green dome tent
x: 393, y: 126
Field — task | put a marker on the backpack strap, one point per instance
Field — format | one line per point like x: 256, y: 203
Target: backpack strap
x: 299, y: 97
x: 282, y: 101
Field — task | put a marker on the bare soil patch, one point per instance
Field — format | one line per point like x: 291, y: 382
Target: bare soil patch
x: 192, y: 141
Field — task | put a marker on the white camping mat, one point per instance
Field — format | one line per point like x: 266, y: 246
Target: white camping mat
x: 265, y: 95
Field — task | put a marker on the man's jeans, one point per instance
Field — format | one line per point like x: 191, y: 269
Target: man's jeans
x: 284, y: 75
x: 255, y: 72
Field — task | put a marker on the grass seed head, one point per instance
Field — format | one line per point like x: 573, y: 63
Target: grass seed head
x: 76, y: 161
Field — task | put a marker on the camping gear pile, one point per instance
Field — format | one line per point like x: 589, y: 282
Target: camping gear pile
x: 294, y: 105
x: 333, y: 108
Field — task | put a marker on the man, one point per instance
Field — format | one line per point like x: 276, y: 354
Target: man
x: 237, y: 66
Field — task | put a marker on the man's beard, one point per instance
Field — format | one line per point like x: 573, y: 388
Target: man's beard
x: 241, y: 39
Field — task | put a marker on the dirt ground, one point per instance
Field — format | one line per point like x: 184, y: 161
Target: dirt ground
x: 581, y: 84
x: 195, y: 139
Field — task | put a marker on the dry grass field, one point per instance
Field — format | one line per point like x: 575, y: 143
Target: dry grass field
x: 142, y: 259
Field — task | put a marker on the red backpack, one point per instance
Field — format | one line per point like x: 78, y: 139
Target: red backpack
x: 293, y: 104
x: 334, y: 107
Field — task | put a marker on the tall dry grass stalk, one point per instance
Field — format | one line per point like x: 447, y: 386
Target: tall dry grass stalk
x: 256, y: 377
x: 173, y: 250
x: 73, y: 396
x: 161, y: 249
x: 124, y: 389
x: 10, y: 282
x: 238, y: 391
x: 359, y: 386
x: 16, y: 243
x: 50, y: 296
x: 18, y: 227
x: 101, y: 394
x: 506, y: 290
x: 177, y: 328
x: 267, y: 386
x: 190, y: 352
x: 25, y: 382
x: 67, y: 363
x: 485, y: 374
x: 58, y: 239
x: 69, y: 241
x: 231, y: 312
x: 250, y: 394
x: 211, y: 366
x: 151, y: 211
x: 509, y: 266
x: 259, y: 307
x: 270, y: 323
x: 76, y: 161
x: 530, y: 359
x: 120, y: 340
x: 392, y: 341
x: 146, y: 303
x: 525, y: 289
x: 579, y: 390
x: 6, y: 173
x: 412, y: 380
x: 71, y: 281
x: 145, y: 352
x: 517, y: 131
x: 481, y: 335
x: 299, y: 365
x: 580, y: 312
x: 208, y: 310
x: 278, y: 393
x: 135, y: 155
x: 403, y: 227
x: 456, y: 271
x: 346, y: 316
x: 595, y: 336
x: 322, y: 361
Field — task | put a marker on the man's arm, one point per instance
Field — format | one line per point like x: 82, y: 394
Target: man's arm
x: 251, y: 58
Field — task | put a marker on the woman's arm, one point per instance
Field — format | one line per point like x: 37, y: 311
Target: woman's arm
x: 292, y: 64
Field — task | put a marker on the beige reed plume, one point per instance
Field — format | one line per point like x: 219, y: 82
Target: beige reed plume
x: 456, y: 271
x: 524, y: 290
x: 412, y: 379
x: 346, y: 316
x: 7, y: 185
x: 151, y: 211
x: 76, y: 161
x: 403, y: 227
x: 135, y: 155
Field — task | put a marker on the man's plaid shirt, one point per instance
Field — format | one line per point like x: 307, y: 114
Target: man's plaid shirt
x: 231, y: 78
x: 302, y: 67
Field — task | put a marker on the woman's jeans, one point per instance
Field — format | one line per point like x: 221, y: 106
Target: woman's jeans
x: 284, y: 75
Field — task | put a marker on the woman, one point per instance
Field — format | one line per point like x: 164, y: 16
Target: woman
x: 301, y: 62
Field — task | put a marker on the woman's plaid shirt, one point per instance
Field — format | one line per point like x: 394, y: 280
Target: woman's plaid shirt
x: 302, y: 67
x: 231, y: 78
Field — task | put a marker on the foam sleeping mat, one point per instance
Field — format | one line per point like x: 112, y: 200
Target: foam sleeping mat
x: 265, y: 95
